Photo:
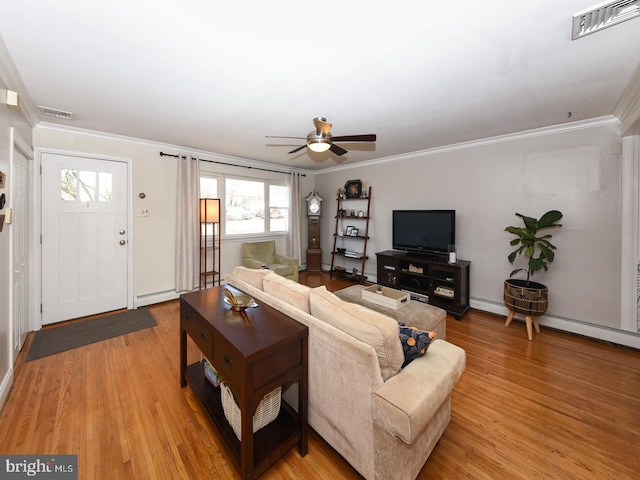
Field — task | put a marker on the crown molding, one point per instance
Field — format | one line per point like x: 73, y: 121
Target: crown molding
x: 12, y: 80
x: 510, y: 137
x: 177, y: 149
x: 628, y: 107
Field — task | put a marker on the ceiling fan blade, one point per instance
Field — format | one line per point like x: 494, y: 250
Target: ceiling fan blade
x: 371, y: 137
x: 275, y: 136
x: 337, y: 150
x: 297, y: 149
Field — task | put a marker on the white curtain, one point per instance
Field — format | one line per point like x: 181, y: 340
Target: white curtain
x: 294, y: 249
x: 188, y: 225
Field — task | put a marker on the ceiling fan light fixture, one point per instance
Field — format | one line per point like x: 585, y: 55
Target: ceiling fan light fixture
x: 318, y: 143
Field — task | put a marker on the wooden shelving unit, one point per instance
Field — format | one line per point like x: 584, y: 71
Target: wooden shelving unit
x: 349, y: 250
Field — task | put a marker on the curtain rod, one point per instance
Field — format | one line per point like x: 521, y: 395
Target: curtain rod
x: 162, y: 154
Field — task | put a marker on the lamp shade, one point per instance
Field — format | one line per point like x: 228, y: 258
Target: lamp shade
x: 210, y: 210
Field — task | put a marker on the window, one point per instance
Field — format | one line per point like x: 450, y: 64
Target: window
x: 85, y: 186
x: 244, y: 203
x: 278, y: 208
x: 208, y: 187
x: 244, y: 212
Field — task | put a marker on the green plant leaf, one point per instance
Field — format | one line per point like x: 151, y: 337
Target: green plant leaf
x: 549, y: 219
x: 517, y: 270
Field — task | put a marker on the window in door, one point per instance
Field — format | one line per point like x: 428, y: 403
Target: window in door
x: 86, y: 186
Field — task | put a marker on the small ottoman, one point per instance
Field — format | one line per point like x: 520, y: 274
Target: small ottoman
x: 417, y: 314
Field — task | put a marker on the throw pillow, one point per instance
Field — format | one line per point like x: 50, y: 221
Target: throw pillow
x: 414, y: 342
x: 287, y: 290
x: 368, y: 326
x: 253, y: 276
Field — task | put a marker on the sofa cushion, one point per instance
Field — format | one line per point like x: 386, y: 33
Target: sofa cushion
x: 253, y: 276
x: 287, y: 290
x: 414, y: 342
x: 372, y: 328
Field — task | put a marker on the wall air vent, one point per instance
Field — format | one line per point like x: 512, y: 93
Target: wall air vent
x: 602, y: 16
x: 53, y: 112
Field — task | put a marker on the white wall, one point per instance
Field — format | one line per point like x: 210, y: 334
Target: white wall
x: 154, y: 237
x: 571, y: 170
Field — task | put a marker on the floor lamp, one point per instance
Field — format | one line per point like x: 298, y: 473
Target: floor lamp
x: 209, y: 215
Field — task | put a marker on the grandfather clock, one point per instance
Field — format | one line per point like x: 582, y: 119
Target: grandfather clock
x: 314, y: 252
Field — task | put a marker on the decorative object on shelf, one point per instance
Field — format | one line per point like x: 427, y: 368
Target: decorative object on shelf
x: 267, y: 410
x: 360, y: 213
x: 209, y: 228
x: 353, y: 189
x: 354, y: 232
x: 348, y: 231
x: 452, y: 254
x: 239, y: 301
x: 524, y: 296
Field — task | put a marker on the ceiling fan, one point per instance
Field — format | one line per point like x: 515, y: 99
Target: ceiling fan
x: 320, y: 140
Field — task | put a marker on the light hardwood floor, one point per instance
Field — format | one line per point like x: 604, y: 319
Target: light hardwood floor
x: 559, y: 407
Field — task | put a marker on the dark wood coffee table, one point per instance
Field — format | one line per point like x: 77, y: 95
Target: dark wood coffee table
x: 254, y: 351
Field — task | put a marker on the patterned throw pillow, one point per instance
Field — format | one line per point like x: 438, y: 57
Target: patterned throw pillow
x: 414, y: 342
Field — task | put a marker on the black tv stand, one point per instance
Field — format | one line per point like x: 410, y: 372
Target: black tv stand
x: 430, y: 257
x: 429, y: 276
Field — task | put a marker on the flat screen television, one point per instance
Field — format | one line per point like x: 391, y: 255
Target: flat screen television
x: 424, y: 231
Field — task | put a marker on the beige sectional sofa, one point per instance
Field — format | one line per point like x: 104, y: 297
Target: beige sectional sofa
x: 383, y: 419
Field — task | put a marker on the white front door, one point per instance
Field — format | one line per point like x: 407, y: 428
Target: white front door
x: 19, y: 177
x: 84, y: 236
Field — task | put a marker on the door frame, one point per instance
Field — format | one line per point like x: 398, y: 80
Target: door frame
x: 18, y: 143
x: 37, y: 223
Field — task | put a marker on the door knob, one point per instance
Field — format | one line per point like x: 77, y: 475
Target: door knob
x: 122, y: 242
x: 122, y: 232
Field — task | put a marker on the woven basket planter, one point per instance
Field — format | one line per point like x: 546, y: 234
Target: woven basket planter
x: 529, y: 300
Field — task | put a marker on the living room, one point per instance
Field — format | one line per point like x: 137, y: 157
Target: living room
x: 586, y: 168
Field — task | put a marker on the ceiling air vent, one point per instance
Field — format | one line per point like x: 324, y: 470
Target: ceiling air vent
x: 53, y: 112
x: 603, y: 16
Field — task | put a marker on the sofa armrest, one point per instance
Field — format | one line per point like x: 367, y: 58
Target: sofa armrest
x: 252, y: 263
x: 292, y: 262
x: 404, y: 405
x: 285, y: 260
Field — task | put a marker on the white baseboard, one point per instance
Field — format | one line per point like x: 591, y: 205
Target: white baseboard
x: 151, y: 298
x: 5, y: 387
x: 158, y: 297
x: 598, y: 332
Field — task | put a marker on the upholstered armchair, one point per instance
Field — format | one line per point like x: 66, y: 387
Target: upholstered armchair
x: 259, y: 254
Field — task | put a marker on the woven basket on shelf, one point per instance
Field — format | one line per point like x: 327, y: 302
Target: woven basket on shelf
x: 267, y: 410
x: 530, y: 300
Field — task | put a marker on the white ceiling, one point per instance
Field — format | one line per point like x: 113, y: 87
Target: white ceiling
x: 220, y: 77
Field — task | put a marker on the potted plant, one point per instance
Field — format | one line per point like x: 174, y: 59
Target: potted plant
x: 523, y: 295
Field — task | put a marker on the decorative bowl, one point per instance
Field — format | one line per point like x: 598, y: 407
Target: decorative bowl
x: 243, y: 301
